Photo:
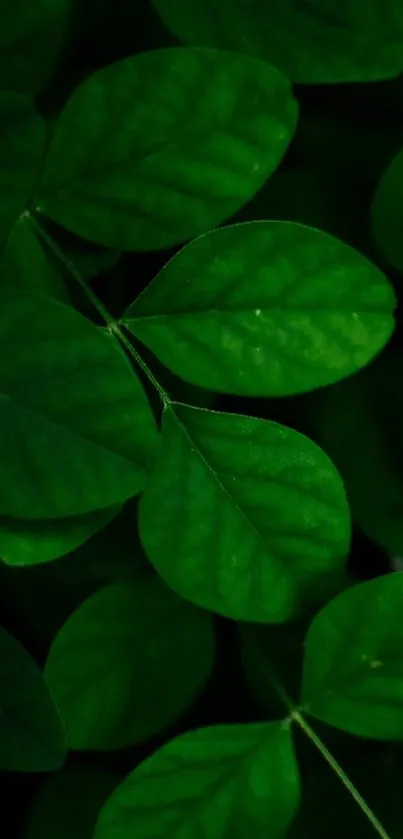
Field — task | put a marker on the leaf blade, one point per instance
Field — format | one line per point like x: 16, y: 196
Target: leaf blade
x: 265, y: 308
x: 353, y: 669
x: 222, y: 780
x: 234, y: 527
x: 156, y: 646
x: 171, y: 143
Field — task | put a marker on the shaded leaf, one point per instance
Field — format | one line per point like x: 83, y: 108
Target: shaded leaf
x: 266, y: 308
x: 28, y: 542
x: 31, y: 731
x: 243, y: 516
x: 353, y: 668
x: 77, y: 433
x: 32, y: 36
x: 128, y: 663
x: 22, y: 144
x: 157, y: 148
x: 221, y: 781
x: 25, y: 265
x: 310, y: 40
x: 387, y: 213
x: 60, y: 808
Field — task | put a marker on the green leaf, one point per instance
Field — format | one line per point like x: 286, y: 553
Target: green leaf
x: 243, y: 516
x: 353, y: 668
x: 61, y: 810
x: 76, y: 431
x: 25, y: 265
x: 387, y: 213
x: 224, y: 781
x: 91, y: 260
x: 31, y: 732
x: 31, y: 39
x: 22, y: 144
x: 157, y: 148
x: 358, y: 423
x: 24, y: 542
x: 310, y: 40
x: 267, y: 308
x: 146, y: 655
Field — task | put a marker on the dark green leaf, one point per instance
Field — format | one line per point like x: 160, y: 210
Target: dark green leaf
x: 31, y: 39
x: 353, y: 668
x: 25, y: 265
x: 157, y: 148
x: 225, y: 781
x: 310, y: 40
x: 243, y: 516
x: 358, y: 423
x: 128, y: 663
x: 22, y: 144
x: 267, y: 308
x: 61, y: 810
x: 76, y: 431
x: 25, y: 542
x: 31, y: 731
x: 387, y: 213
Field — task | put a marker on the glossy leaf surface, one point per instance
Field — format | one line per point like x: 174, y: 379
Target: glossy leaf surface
x: 312, y: 41
x: 31, y: 731
x: 157, y: 148
x: 353, y: 669
x: 265, y: 308
x: 127, y: 663
x: 217, y: 782
x: 76, y: 431
x: 243, y: 516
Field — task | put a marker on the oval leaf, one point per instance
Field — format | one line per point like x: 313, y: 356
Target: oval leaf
x: 76, y: 431
x: 233, y: 780
x: 243, y: 516
x: 31, y: 731
x: 128, y: 663
x: 265, y: 308
x: 310, y: 40
x: 353, y: 668
x: 157, y: 148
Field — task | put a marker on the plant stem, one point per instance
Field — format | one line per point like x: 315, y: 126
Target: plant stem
x: 54, y: 247
x: 111, y: 324
x: 301, y: 721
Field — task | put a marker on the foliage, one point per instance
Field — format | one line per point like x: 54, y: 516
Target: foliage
x: 201, y: 494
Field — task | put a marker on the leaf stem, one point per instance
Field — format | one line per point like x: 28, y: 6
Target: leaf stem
x: 59, y: 253
x: 376, y: 824
x: 112, y: 325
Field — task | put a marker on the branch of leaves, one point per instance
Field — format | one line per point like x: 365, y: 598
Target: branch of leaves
x: 233, y: 780
x: 239, y: 515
